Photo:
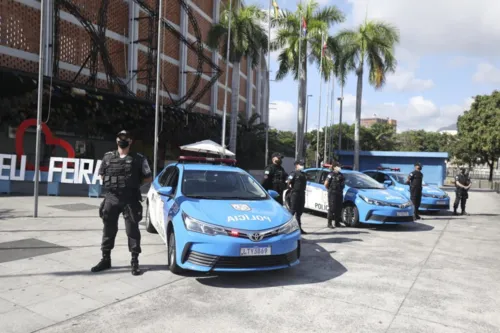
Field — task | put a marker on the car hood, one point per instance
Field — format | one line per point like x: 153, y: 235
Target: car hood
x: 427, y: 189
x: 383, y: 195
x: 239, y: 214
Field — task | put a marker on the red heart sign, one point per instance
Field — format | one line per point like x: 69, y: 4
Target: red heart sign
x: 50, y: 139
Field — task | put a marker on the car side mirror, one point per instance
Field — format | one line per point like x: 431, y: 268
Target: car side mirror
x: 273, y: 194
x: 387, y: 183
x: 166, y: 191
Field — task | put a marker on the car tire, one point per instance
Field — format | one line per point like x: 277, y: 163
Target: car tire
x: 172, y: 255
x: 350, y: 216
x: 149, y: 226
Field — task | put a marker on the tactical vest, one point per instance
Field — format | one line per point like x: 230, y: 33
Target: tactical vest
x: 121, y: 174
x: 278, y: 175
x: 337, y: 183
x: 299, y: 182
x: 416, y: 179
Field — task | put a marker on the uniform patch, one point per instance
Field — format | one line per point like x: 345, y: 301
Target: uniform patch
x: 266, y: 172
x: 290, y: 177
x: 241, y: 207
x: 329, y: 176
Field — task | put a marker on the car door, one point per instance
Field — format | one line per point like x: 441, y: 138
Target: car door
x: 311, y: 177
x: 155, y: 203
x: 168, y: 201
x: 324, y: 192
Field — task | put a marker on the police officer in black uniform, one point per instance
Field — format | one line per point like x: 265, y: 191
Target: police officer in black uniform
x: 297, y: 182
x: 415, y: 180
x: 463, y: 184
x: 122, y: 173
x: 335, y: 183
x: 275, y: 177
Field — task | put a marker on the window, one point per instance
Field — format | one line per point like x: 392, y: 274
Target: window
x: 361, y: 181
x: 323, y: 177
x: 164, y: 176
x: 380, y: 177
x: 221, y: 185
x: 371, y: 174
x: 173, y: 180
x: 311, y: 175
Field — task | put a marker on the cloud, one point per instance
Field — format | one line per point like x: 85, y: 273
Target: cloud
x: 487, y: 73
x: 438, y: 27
x: 283, y: 116
x: 405, y: 81
x: 459, y: 62
x: 417, y: 113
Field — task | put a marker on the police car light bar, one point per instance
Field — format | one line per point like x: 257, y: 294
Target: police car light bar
x: 212, y: 160
x: 392, y: 169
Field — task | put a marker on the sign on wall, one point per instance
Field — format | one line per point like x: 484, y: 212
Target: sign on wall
x: 69, y: 169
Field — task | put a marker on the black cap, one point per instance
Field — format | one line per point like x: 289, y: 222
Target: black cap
x: 125, y: 134
x: 418, y: 164
x: 301, y: 162
x: 278, y: 155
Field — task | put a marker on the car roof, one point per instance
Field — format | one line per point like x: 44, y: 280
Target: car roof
x: 328, y: 170
x: 210, y: 167
x: 390, y: 172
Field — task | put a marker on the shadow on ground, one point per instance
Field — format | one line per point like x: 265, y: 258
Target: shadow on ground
x: 6, y: 214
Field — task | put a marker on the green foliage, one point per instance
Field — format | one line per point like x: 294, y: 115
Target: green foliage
x: 479, y: 131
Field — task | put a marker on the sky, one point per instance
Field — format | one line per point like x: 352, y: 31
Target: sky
x: 448, y: 54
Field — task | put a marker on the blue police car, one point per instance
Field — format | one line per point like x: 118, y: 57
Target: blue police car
x: 365, y: 200
x: 433, y: 198
x: 214, y: 216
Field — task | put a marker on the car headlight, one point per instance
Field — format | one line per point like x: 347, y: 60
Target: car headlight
x: 195, y: 225
x: 289, y: 227
x: 373, y: 201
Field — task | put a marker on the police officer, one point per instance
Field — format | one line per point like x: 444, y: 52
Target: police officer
x: 275, y: 177
x: 335, y: 183
x: 415, y: 180
x: 297, y: 182
x: 122, y: 172
x: 463, y: 184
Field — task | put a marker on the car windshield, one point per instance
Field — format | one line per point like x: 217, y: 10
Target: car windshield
x: 401, y: 178
x: 221, y: 185
x: 360, y: 180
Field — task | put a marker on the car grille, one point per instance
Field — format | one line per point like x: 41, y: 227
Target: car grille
x: 425, y: 206
x: 435, y: 196
x: 215, y: 262
x: 382, y: 218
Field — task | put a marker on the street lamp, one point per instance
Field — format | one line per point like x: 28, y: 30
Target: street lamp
x: 267, y: 132
x: 305, y: 125
x: 341, y: 100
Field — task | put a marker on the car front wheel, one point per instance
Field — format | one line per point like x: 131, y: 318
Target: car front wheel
x: 350, y: 216
x: 172, y: 255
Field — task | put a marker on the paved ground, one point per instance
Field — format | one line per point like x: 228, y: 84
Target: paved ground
x: 439, y: 275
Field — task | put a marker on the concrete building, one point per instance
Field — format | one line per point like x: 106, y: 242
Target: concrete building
x: 129, y: 43
x: 369, y: 122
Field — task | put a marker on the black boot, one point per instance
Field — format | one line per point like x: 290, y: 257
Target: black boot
x: 104, y: 264
x: 135, y: 264
x: 330, y: 224
x: 455, y: 211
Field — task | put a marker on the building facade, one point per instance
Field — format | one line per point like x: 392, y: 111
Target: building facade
x: 124, y: 60
x: 369, y: 122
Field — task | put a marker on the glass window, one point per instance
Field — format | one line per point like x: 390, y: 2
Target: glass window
x: 221, y: 185
x: 164, y: 176
x: 360, y: 180
x: 323, y: 176
x: 311, y: 175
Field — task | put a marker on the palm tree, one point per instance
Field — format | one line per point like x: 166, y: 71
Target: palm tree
x: 248, y: 39
x: 371, y: 44
x: 288, y: 38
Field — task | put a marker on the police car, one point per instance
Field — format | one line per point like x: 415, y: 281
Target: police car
x: 433, y: 198
x: 214, y: 216
x: 365, y: 200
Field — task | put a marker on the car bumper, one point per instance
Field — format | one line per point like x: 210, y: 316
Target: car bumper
x: 386, y: 215
x: 204, y: 253
x: 434, y: 204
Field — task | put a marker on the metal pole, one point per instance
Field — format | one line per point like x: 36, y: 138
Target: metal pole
x: 158, y: 89
x: 319, y: 107
x: 332, y: 114
x: 341, y: 99
x: 297, y: 135
x: 268, y: 79
x: 305, y: 127
x: 224, y: 114
x: 326, y: 124
x: 41, y: 64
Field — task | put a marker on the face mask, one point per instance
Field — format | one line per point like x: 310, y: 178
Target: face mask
x: 337, y: 169
x: 300, y: 167
x: 123, y: 144
x: 278, y: 162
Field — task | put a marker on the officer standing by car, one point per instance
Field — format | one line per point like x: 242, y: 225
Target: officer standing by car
x: 462, y: 184
x: 335, y: 183
x: 297, y: 182
x: 122, y: 173
x: 415, y: 180
x: 275, y: 177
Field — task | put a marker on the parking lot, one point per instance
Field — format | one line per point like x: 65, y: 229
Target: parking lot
x: 441, y: 274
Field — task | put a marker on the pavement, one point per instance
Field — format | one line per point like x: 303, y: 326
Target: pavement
x: 441, y: 274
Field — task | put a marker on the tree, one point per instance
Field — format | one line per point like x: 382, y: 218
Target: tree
x: 247, y: 39
x: 479, y: 130
x: 372, y: 44
x: 288, y: 38
x: 251, y: 138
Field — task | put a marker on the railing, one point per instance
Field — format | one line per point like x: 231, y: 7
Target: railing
x: 475, y: 174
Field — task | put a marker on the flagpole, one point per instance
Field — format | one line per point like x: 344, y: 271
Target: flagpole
x: 300, y: 72
x: 332, y: 113
x: 224, y: 115
x: 39, y: 105
x: 268, y: 79
x: 326, y: 125
x: 158, y: 89
x: 319, y: 108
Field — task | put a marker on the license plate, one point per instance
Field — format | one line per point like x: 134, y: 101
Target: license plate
x: 441, y: 203
x: 403, y: 214
x: 255, y: 251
